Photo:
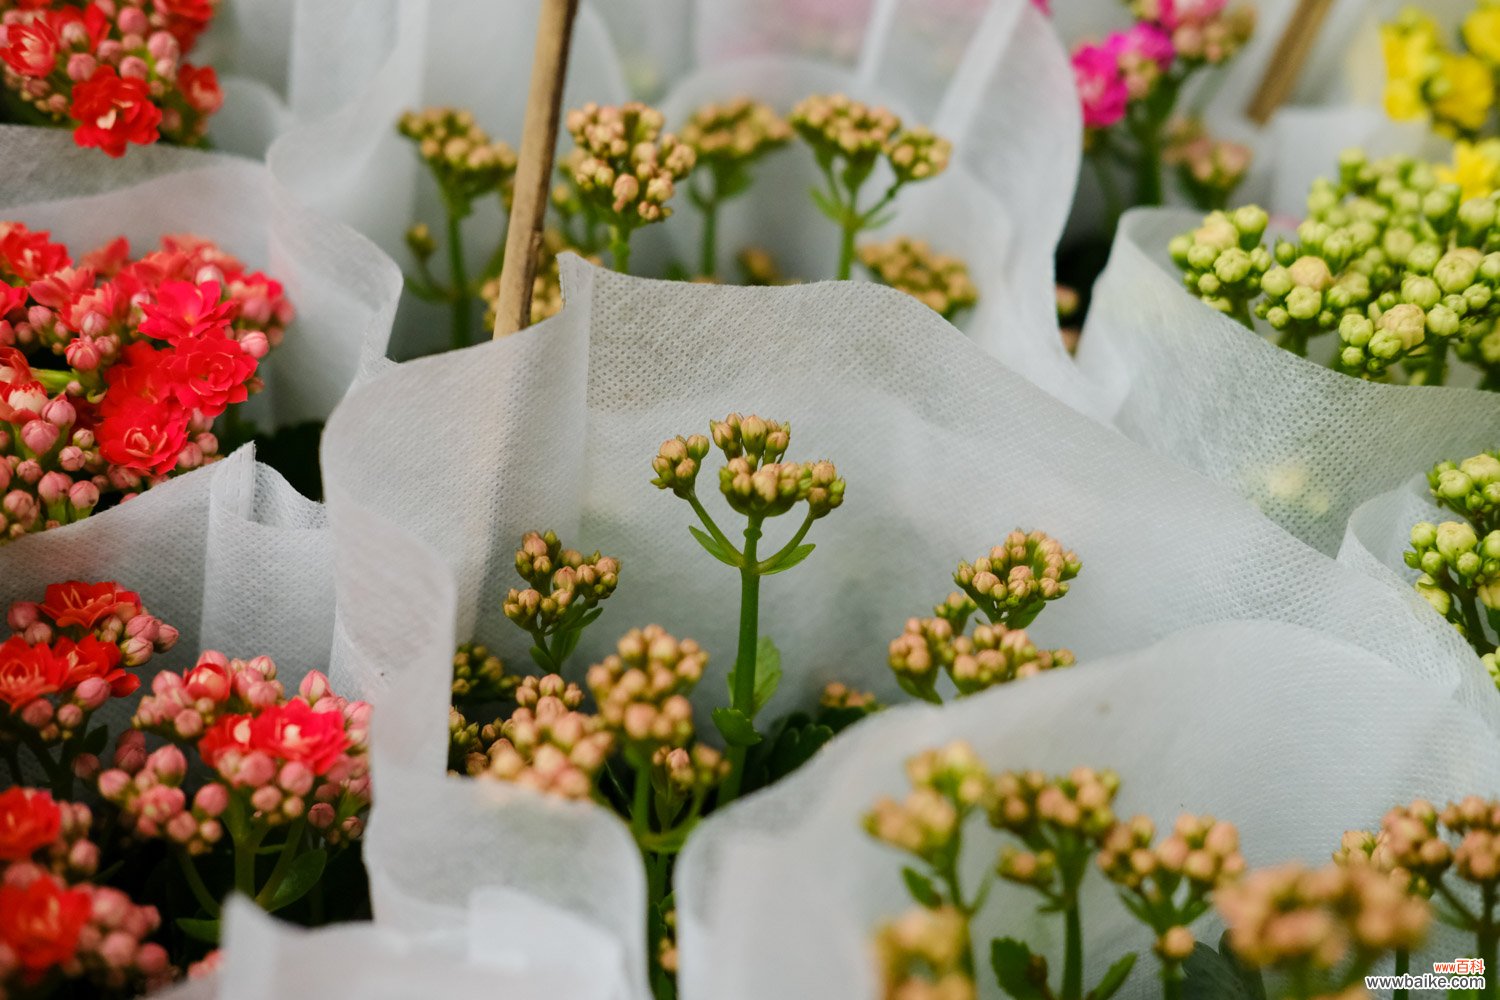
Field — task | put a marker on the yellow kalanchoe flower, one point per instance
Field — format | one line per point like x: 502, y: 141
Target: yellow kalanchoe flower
x: 1411, y: 45
x: 1481, y: 31
x: 1463, y: 92
x: 1476, y: 168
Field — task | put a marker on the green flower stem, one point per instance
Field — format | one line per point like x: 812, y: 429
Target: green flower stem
x: 1114, y: 206
x: 1241, y: 314
x: 786, y: 550
x: 246, y: 844
x: 1171, y: 981
x: 283, y: 864
x: 12, y: 761
x: 619, y: 248
x: 1436, y: 372
x: 1294, y: 340
x: 1468, y: 605
x: 1403, y: 966
x: 846, y: 246
x: 640, y: 806
x: 195, y: 882
x: 708, y: 523
x: 1073, y: 860
x: 59, y: 773
x: 744, y: 661
x: 461, y: 303
x: 708, y: 254
x: 1488, y: 939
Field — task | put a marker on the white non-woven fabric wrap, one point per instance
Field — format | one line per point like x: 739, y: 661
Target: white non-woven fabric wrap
x: 1289, y: 734
x: 343, y: 288
x: 230, y: 554
x: 988, y: 74
x: 1301, y: 441
x: 435, y: 469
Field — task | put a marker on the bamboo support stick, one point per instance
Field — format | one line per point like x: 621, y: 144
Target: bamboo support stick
x: 1285, y: 67
x: 523, y: 238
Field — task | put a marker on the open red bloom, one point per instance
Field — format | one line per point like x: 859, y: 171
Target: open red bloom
x: 295, y: 731
x: 200, y: 88
x: 27, y: 255
x: 142, y: 435
x: 29, y: 821
x: 231, y: 732
x: 10, y: 298
x: 113, y: 111
x: 28, y: 672
x: 89, y: 657
x: 40, y: 923
x: 209, y: 374
x: 185, y: 309
x: 30, y: 48
x: 141, y: 373
x: 86, y: 604
x: 186, y: 19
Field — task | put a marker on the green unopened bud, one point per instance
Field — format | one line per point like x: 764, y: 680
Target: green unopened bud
x: 1420, y: 290
x: 1457, y: 269
x: 419, y: 240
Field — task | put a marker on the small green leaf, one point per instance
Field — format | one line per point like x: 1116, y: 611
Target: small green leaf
x: 1113, y: 979
x: 1017, y: 970
x: 796, y: 747
x: 921, y: 888
x: 542, y: 660
x: 590, y: 618
x: 787, y: 561
x: 924, y: 691
x: 300, y: 878
x: 204, y: 930
x: 736, y: 727
x: 1218, y: 975
x: 828, y: 206
x: 711, y: 545
x: 767, y: 674
x: 94, y: 742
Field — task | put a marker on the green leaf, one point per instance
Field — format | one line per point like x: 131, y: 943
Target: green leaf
x: 542, y: 660
x: 1113, y: 979
x: 767, y: 674
x: 1019, y: 973
x: 789, y: 560
x: 94, y: 742
x: 736, y: 727
x: 926, y: 692
x: 565, y: 643
x: 713, y: 547
x: 795, y: 747
x: 828, y: 206
x: 300, y: 878
x: 921, y: 888
x: 1218, y: 975
x: 204, y: 930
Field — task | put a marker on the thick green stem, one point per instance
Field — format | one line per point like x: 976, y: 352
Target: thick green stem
x: 708, y: 258
x: 1468, y: 604
x: 1488, y: 939
x: 640, y: 806
x: 245, y: 847
x: 619, y: 248
x: 1148, y: 186
x: 462, y: 303
x: 1436, y: 372
x: 1241, y: 314
x: 1403, y: 966
x: 743, y: 696
x: 1171, y: 981
x: 846, y: 246
x: 59, y: 774
x: 283, y: 864
x: 1072, y: 985
x: 195, y: 882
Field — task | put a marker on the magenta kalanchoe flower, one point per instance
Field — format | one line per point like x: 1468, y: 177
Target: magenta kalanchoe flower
x: 1101, y: 87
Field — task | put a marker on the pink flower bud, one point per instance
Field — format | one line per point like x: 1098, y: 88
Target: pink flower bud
x: 188, y: 723
x: 37, y: 633
x: 132, y: 21
x: 82, y: 354
x: 208, y: 681
x: 29, y: 471
x: 39, y: 435
x: 143, y: 626
x: 296, y: 778
x: 182, y: 827
x: 110, y: 907
x: 256, y: 769
x: 166, y: 637
x: 314, y: 687
x: 321, y: 816
x: 162, y: 45
x: 214, y: 656
x: 83, y: 856
x: 91, y: 693
x: 81, y: 65
x: 83, y: 496
x: 71, y: 459
x: 135, y: 652
x: 53, y: 486
x: 168, y: 764
x: 255, y: 344
x: 37, y: 713
x: 263, y: 694
x: 266, y: 798
x: 22, y: 614
x: 112, y: 784
x: 60, y: 412
x: 151, y: 960
x: 69, y: 716
x: 130, y: 751
x: 212, y: 799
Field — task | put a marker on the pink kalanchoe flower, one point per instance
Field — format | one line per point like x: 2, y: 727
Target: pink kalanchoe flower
x: 1101, y: 87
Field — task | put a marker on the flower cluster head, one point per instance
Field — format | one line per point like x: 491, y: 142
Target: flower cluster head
x: 837, y: 695
x: 1458, y: 567
x: 465, y: 162
x: 735, y: 132
x: 1312, y: 921
x: 52, y: 928
x: 641, y: 690
x: 563, y: 584
x: 1046, y: 813
x: 681, y: 775
x: 478, y: 675
x: 992, y: 655
x: 1222, y: 260
x: 948, y: 784
x: 623, y: 165
x: 277, y: 759
x: 838, y: 127
x: 546, y: 286
x: 1209, y: 169
x: 113, y: 69
x: 547, y: 744
x: 938, y: 280
x: 1470, y: 488
x: 1018, y: 577
x: 1425, y: 79
x: 924, y: 955
x: 113, y: 370
x: 73, y: 651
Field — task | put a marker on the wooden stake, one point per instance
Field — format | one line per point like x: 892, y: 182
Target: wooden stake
x: 523, y: 238
x: 1293, y: 48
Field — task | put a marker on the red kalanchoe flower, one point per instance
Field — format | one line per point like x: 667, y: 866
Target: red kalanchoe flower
x: 113, y: 111
x: 142, y: 435
x: 186, y: 19
x: 22, y: 397
x: 107, y: 260
x: 86, y: 604
x: 28, y: 672
x: 40, y: 923
x: 11, y: 298
x: 230, y: 734
x: 28, y: 255
x: 200, y: 88
x: 185, y: 309
x: 209, y: 374
x: 30, y: 48
x: 90, y: 657
x: 296, y: 732
x: 29, y: 821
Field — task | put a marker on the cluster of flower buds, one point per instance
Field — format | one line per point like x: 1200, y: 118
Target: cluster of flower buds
x: 478, y: 675
x: 1208, y: 169
x: 546, y: 286
x: 277, y: 758
x: 153, y: 351
x: 547, y: 744
x: 623, y: 165
x: 113, y: 69
x: 924, y: 955
x: 993, y: 655
x: 53, y: 924
x: 1223, y: 261
x: 641, y: 690
x: 837, y: 695
x: 1323, y: 926
x: 735, y: 133
x: 840, y: 128
x: 463, y: 160
x: 69, y: 654
x: 564, y: 585
x: 681, y: 775
x: 940, y: 281
x: 948, y: 784
x: 1018, y: 577
x: 759, y: 268
x: 1460, y: 574
x: 1172, y: 881
x: 1471, y: 489
x: 1040, y: 811
x: 757, y: 483
x: 1426, y: 79
x: 1477, y: 823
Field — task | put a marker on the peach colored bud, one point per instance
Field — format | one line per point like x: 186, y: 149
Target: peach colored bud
x: 266, y: 798
x: 1176, y: 944
x: 212, y: 799
x: 37, y: 714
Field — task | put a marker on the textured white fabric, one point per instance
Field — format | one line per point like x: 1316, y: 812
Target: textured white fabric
x: 435, y: 469
x: 1303, y: 442
x: 343, y: 288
